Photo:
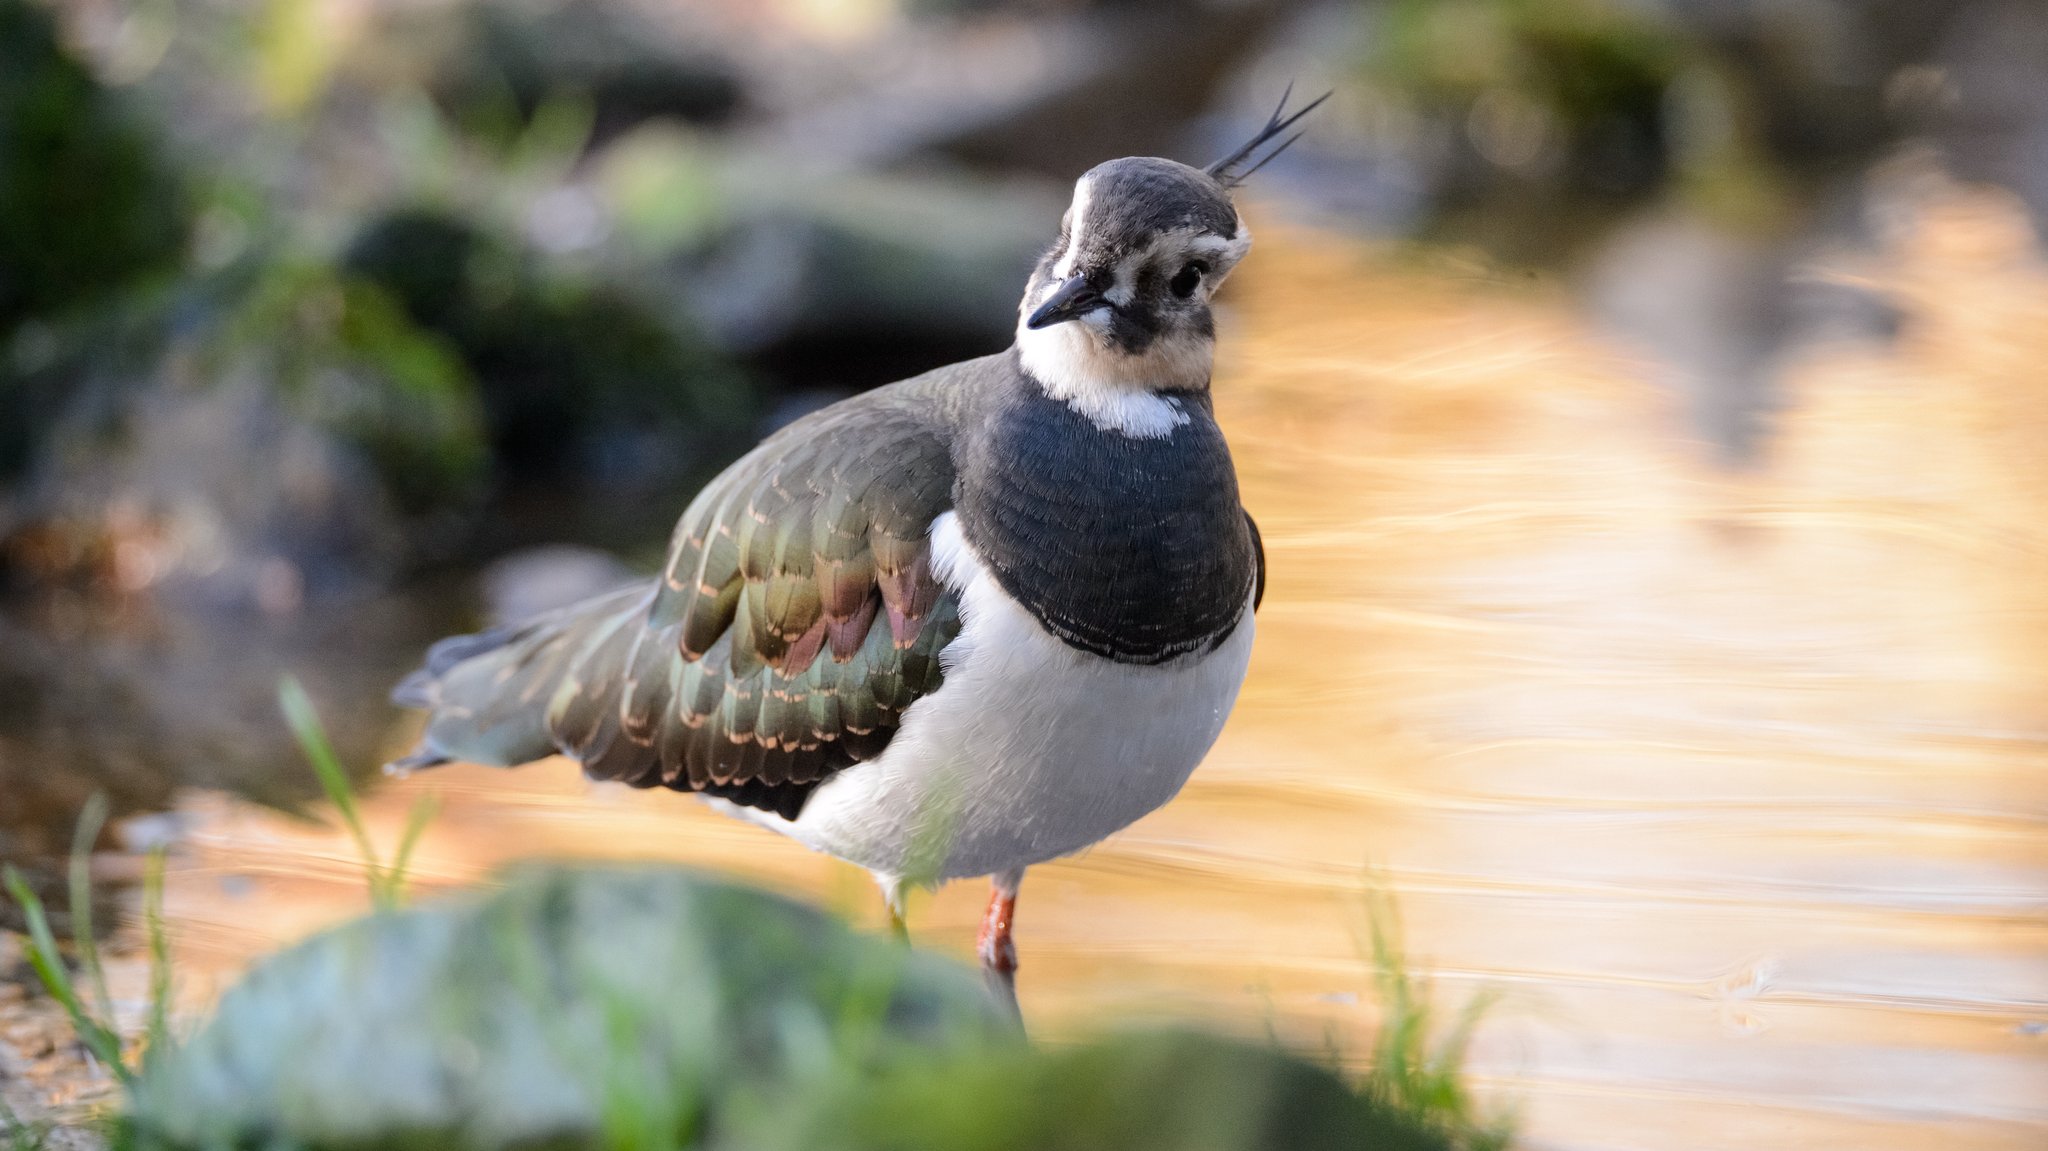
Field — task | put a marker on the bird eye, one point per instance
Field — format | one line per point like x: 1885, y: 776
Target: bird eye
x: 1184, y: 281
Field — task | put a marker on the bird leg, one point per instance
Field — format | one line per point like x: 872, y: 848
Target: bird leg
x: 895, y: 894
x: 995, y: 947
x: 998, y: 952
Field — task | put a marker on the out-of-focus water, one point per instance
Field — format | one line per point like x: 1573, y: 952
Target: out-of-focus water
x: 1733, y: 788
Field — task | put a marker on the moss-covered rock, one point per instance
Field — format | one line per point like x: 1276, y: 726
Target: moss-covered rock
x: 599, y: 1007
x: 1161, y: 1092
x: 575, y: 1007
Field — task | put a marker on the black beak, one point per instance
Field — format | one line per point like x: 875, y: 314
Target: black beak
x: 1074, y: 298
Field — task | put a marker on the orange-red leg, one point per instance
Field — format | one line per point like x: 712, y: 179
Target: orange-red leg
x: 995, y: 946
x: 998, y: 951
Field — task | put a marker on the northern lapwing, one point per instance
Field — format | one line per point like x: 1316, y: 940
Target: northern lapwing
x: 951, y: 627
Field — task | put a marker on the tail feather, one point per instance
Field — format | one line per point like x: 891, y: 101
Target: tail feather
x: 488, y: 694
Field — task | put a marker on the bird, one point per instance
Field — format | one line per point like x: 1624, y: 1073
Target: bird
x: 952, y: 627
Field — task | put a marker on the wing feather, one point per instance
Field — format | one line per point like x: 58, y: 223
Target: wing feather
x: 796, y: 619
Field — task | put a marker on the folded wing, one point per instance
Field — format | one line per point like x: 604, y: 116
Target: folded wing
x: 795, y: 620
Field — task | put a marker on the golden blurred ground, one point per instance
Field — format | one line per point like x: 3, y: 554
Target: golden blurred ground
x: 1735, y: 788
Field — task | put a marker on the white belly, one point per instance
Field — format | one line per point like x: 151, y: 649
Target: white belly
x: 1031, y: 750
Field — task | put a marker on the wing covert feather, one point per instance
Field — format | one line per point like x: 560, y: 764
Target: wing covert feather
x: 797, y: 618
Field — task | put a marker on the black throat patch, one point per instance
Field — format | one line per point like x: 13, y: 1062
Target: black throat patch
x: 1133, y: 549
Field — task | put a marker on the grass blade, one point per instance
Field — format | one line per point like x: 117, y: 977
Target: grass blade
x: 423, y: 811
x: 1418, y: 1058
x: 48, y: 963
x: 387, y: 884
x: 304, y: 721
x: 158, y: 1028
x: 16, y: 1134
x: 84, y: 837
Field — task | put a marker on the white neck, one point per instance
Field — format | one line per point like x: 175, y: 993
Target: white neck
x: 1114, y: 390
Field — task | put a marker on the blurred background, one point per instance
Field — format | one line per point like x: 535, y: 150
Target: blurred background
x: 1645, y: 403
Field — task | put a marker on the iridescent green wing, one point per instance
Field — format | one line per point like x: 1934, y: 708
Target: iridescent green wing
x: 796, y: 619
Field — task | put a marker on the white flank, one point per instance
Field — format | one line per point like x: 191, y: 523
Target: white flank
x: 1030, y: 750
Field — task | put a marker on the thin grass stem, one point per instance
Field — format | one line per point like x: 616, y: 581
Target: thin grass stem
x: 98, y: 1038
x: 85, y: 836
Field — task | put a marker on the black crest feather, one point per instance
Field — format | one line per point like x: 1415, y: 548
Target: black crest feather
x: 1227, y: 170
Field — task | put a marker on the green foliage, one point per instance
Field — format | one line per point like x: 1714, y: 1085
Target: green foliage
x: 84, y: 203
x: 1160, y: 1092
x: 522, y: 360
x: 1418, y: 1061
x: 86, y: 210
x: 386, y: 881
x: 96, y: 1033
x: 557, y: 355
x: 157, y: 1025
x: 1583, y: 60
x: 91, y: 821
x: 1565, y: 99
x: 20, y: 1135
x: 344, y: 355
x: 291, y: 53
x: 93, y: 1022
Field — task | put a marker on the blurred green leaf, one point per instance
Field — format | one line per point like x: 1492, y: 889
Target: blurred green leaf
x: 98, y: 1037
x: 386, y: 881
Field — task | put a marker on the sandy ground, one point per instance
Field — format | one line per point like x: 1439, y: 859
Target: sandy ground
x: 47, y: 1081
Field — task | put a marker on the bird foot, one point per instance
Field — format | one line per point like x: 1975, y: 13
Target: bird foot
x: 994, y: 946
x: 998, y: 952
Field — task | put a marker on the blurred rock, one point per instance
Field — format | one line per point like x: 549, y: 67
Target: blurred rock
x: 1711, y: 305
x: 1985, y: 99
x: 1166, y: 1092
x: 258, y: 439
x: 493, y: 63
x: 570, y: 1008
x: 580, y: 1004
x: 1054, y: 92
x: 823, y: 278
x: 566, y: 363
x: 863, y: 281
x: 139, y: 696
x: 541, y: 579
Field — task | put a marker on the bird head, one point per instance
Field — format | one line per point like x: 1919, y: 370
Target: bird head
x: 1120, y: 303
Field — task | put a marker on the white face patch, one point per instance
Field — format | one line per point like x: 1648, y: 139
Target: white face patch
x: 1223, y: 254
x: 1076, y: 361
x: 1115, y: 391
x: 1077, y: 227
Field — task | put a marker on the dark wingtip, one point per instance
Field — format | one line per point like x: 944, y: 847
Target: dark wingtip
x: 1229, y: 172
x: 405, y: 765
x: 416, y: 691
x: 419, y: 690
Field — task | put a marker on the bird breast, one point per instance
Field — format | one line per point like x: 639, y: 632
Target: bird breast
x: 1134, y: 549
